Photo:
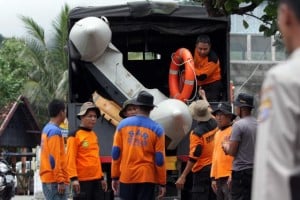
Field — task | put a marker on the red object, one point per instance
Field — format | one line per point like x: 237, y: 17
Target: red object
x: 181, y: 56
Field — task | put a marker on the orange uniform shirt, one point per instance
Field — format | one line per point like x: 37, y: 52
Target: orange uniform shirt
x: 83, y: 155
x: 202, y: 144
x: 139, y: 151
x: 209, y: 66
x: 53, y: 158
x: 221, y: 164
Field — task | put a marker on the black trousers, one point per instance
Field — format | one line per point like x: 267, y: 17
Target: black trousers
x: 90, y: 190
x: 137, y: 191
x: 213, y: 91
x: 241, y: 184
x: 202, y: 189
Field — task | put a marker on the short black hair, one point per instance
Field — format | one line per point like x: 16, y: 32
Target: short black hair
x: 146, y: 108
x: 294, y: 5
x: 203, y: 39
x: 55, y: 106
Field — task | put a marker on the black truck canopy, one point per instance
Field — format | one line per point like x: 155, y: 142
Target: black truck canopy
x: 156, y: 27
x: 166, y: 18
x: 144, y: 27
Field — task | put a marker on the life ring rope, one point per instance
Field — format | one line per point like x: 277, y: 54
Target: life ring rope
x: 173, y: 61
x: 188, y: 82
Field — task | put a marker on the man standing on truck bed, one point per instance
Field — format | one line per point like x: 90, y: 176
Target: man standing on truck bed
x: 139, y: 154
x: 207, y: 68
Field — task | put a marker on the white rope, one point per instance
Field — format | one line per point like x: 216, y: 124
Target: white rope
x: 196, y: 90
x: 173, y: 61
x: 195, y: 77
x: 251, y: 75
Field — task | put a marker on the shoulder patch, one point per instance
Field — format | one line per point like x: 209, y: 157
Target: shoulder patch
x: 204, y: 127
x: 264, y: 110
x: 212, y: 57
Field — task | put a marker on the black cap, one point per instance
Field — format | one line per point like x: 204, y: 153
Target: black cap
x: 225, y: 108
x: 143, y: 99
x: 244, y: 100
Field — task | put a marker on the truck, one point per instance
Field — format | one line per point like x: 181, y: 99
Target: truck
x: 116, y: 51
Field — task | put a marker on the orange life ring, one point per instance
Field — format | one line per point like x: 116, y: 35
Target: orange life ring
x: 181, y: 56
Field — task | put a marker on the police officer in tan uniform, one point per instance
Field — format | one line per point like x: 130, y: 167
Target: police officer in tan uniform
x: 277, y: 157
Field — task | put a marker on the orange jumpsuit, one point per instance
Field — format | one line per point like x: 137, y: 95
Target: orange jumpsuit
x: 53, y: 158
x: 83, y: 155
x: 199, y: 139
x: 208, y: 66
x: 221, y: 163
x: 139, y: 152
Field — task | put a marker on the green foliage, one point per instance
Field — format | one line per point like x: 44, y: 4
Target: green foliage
x: 245, y: 24
x: 245, y: 7
x: 34, y: 68
x: 47, y: 79
x: 13, y: 70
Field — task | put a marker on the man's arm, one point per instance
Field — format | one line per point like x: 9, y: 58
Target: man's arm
x: 230, y: 147
x: 181, y: 180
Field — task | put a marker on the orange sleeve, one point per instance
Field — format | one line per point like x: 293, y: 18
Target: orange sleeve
x: 71, y: 156
x: 211, y: 68
x: 195, y: 144
x: 56, y: 149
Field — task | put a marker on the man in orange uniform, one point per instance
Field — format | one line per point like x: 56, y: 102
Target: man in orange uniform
x: 83, y: 153
x: 139, y: 154
x: 53, y: 164
x: 201, y: 150
x: 207, y: 68
x: 221, y: 163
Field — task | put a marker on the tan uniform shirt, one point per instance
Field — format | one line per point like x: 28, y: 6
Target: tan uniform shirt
x: 277, y: 156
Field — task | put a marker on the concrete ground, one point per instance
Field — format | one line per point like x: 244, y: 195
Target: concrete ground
x: 23, y: 197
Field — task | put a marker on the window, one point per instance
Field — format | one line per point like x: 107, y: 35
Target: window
x: 143, y: 56
x: 238, y: 47
x: 261, y: 48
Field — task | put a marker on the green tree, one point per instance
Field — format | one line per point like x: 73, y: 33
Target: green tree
x: 13, y: 69
x: 245, y: 7
x: 47, y: 80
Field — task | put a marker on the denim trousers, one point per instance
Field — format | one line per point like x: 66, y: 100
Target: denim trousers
x: 51, y: 193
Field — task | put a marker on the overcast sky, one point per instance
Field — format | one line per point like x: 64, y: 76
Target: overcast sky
x: 42, y: 11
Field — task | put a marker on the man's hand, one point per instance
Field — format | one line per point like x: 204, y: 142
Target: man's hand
x: 225, y: 145
x: 162, y: 192
x: 214, y: 186
x: 229, y: 180
x: 76, y: 186
x: 104, y: 185
x: 61, y: 188
x: 180, y: 183
x: 201, y: 93
x: 115, y: 186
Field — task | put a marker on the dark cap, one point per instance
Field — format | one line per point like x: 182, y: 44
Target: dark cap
x: 225, y: 108
x: 143, y: 99
x: 244, y: 100
x: 88, y: 106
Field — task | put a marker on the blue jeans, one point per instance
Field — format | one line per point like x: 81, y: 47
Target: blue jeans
x: 51, y: 193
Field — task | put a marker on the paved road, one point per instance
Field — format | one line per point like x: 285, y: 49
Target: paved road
x: 22, y: 197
